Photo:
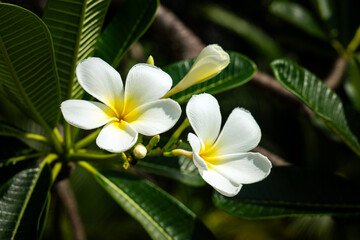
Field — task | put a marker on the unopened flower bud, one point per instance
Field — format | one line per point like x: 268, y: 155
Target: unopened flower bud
x: 150, y: 60
x: 139, y: 151
x: 209, y: 63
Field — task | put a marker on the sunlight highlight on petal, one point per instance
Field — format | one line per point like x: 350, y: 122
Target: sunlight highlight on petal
x: 240, y: 133
x: 117, y: 137
x: 145, y: 83
x: 155, y: 117
x: 204, y: 115
x: 86, y: 114
x: 101, y: 81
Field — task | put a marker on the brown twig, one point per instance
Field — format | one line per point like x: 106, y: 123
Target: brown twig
x: 334, y: 78
x: 66, y: 195
x: 274, y: 159
x: 183, y: 41
x: 187, y: 45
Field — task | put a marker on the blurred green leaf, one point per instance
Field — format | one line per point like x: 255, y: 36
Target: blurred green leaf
x: 27, y: 66
x: 292, y: 191
x: 240, y: 70
x: 352, y: 81
x: 317, y: 96
x: 162, y: 216
x: 327, y: 13
x: 128, y: 25
x: 254, y: 35
x: 298, y: 16
x: 23, y: 199
x: 75, y: 26
x: 179, y: 168
x: 10, y: 131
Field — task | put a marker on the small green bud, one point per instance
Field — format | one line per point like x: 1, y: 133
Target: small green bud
x: 150, y: 60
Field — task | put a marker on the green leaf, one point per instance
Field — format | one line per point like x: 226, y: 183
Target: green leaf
x: 27, y: 68
x: 292, y: 191
x: 298, y: 16
x: 326, y: 11
x: 75, y: 26
x: 10, y: 131
x: 317, y: 96
x: 23, y: 198
x: 240, y: 70
x: 179, y: 168
x: 128, y: 25
x: 252, y: 34
x: 162, y: 216
x: 352, y: 81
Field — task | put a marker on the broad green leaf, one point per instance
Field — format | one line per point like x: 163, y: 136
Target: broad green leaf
x: 298, y: 16
x: 75, y: 26
x: 179, y: 168
x: 352, y: 81
x: 23, y: 198
x: 162, y: 216
x: 317, y: 96
x: 128, y: 25
x: 292, y: 191
x: 239, y: 71
x: 10, y: 131
x: 27, y: 67
x: 252, y: 34
x: 326, y: 11
x: 34, y: 141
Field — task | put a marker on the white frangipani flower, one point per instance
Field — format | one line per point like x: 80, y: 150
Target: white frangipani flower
x: 124, y: 112
x: 209, y: 63
x: 222, y: 157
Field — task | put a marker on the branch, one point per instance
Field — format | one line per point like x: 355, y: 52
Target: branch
x: 334, y: 78
x: 187, y: 45
x: 274, y: 159
x: 67, y: 198
x: 183, y: 41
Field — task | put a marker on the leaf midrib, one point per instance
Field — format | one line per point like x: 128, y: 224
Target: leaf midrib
x: 135, y: 204
x: 28, y: 196
x: 18, y: 84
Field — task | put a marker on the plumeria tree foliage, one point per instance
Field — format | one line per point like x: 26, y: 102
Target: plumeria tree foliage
x: 65, y: 106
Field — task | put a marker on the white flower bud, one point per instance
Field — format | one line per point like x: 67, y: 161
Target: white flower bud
x: 139, y: 151
x: 210, y: 62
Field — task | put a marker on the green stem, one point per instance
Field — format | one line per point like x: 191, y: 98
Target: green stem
x: 57, y: 140
x: 49, y: 159
x: 339, y: 48
x: 176, y: 152
x: 87, y: 140
x: 93, y: 157
x: 24, y: 157
x: 36, y: 137
x: 56, y: 170
x: 354, y: 44
x: 174, y: 138
x: 67, y: 136
x: 88, y: 167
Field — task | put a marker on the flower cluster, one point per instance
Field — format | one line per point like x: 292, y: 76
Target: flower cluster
x: 143, y: 107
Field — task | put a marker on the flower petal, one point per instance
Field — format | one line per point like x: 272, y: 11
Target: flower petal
x: 210, y: 62
x: 204, y: 115
x: 243, y: 168
x: 196, y: 146
x: 101, y: 81
x: 220, y: 183
x: 240, y: 133
x: 145, y: 83
x: 117, y: 137
x: 86, y: 114
x: 155, y: 117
